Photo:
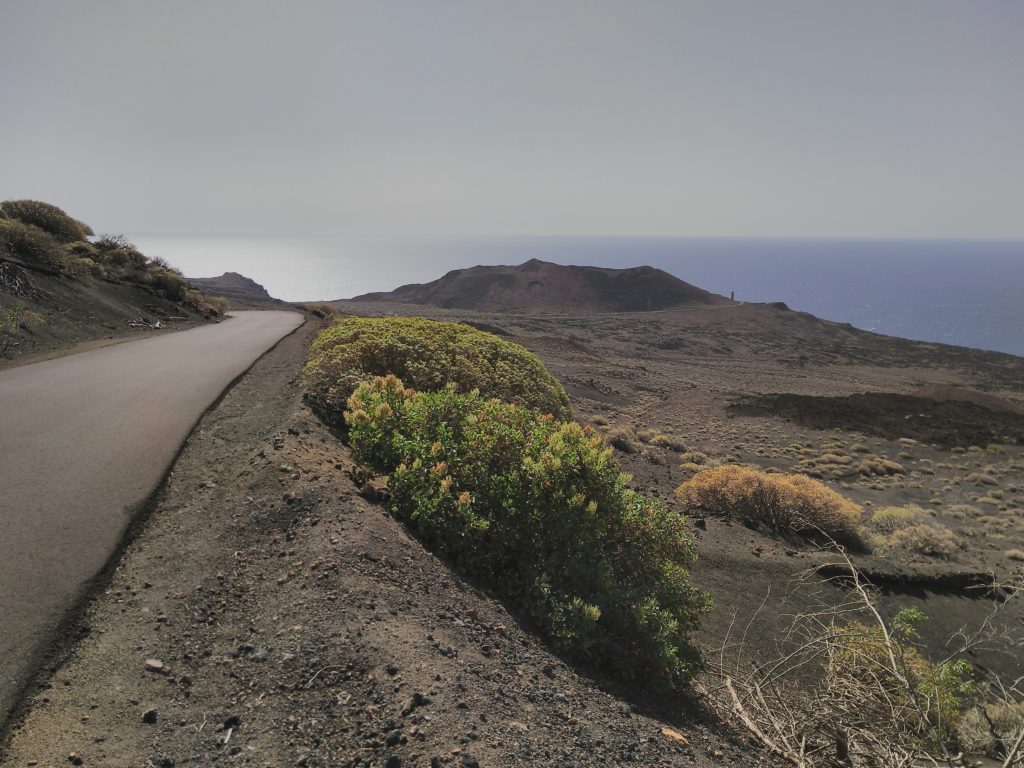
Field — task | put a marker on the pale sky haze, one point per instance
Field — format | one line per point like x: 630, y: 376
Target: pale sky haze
x: 816, y: 118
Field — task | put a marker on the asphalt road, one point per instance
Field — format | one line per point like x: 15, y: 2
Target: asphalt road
x: 84, y: 440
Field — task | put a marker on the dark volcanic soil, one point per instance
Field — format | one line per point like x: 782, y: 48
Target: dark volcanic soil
x: 945, y: 422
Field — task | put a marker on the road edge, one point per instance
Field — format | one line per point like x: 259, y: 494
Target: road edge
x: 49, y: 658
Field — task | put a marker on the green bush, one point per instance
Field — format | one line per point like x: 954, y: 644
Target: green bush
x: 166, y: 281
x: 427, y: 355
x: 31, y: 245
x: 120, y: 258
x: 48, y: 218
x: 537, y: 509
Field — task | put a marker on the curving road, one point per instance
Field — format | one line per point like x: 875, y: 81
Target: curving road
x: 84, y: 441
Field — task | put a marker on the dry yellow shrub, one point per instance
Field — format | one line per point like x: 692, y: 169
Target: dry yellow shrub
x: 926, y: 539
x: 782, y: 502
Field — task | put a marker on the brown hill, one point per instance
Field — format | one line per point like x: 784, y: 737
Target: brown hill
x: 540, y: 286
x: 232, y: 285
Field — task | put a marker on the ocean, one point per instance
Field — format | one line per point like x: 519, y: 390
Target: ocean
x: 964, y: 292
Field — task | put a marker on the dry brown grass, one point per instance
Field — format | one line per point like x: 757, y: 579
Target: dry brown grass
x: 323, y: 311
x: 891, y: 519
x: 926, y: 539
x: 782, y: 502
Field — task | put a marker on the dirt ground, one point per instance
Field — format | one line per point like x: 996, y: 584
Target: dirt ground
x: 267, y: 611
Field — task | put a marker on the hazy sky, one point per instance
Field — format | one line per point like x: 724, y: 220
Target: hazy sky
x: 769, y: 117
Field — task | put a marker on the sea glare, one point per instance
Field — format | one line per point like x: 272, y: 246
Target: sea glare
x: 969, y: 293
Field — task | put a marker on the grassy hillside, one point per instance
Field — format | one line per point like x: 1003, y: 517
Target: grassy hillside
x: 60, y: 284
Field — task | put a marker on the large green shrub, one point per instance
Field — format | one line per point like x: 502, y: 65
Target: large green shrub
x: 47, y: 217
x: 427, y: 355
x: 537, y: 509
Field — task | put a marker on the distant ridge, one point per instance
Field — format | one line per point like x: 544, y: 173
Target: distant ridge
x: 232, y: 285
x: 540, y: 286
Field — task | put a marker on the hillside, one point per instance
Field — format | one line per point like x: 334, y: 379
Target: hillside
x: 540, y: 286
x: 232, y: 285
x: 61, y: 286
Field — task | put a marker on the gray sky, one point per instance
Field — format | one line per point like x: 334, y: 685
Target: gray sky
x: 771, y: 117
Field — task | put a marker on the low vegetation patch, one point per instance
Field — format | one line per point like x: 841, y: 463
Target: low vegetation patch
x: 926, y: 539
x: 782, y: 502
x: 880, y: 467
x: 537, y: 509
x: 889, y: 519
x: 322, y: 310
x: 991, y: 728
x: 46, y: 217
x: 427, y: 355
x: 879, y: 700
x: 659, y: 439
x: 882, y: 672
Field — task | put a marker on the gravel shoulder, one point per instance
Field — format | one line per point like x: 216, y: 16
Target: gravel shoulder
x: 266, y: 613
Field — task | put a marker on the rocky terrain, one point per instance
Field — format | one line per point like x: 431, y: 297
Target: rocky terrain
x: 539, y: 286
x: 268, y: 611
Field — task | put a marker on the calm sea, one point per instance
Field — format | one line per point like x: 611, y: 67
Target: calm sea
x: 962, y: 292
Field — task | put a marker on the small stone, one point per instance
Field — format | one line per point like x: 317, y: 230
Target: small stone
x: 417, y: 700
x: 393, y: 762
x: 155, y: 665
x: 470, y: 762
x: 149, y: 716
x: 393, y: 738
x: 232, y: 721
x: 76, y: 759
